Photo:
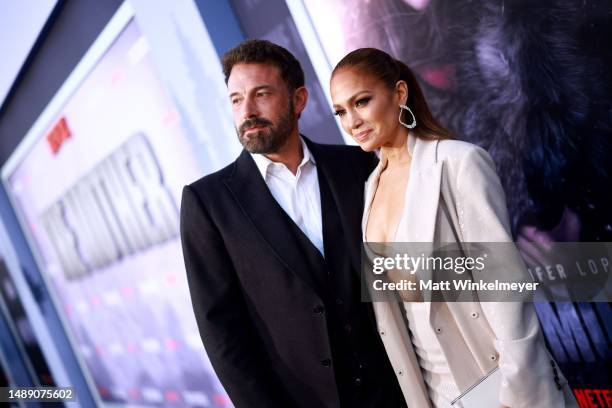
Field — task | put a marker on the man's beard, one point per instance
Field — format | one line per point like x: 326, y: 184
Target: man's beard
x: 270, y: 140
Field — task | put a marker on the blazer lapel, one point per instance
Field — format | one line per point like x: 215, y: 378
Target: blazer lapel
x: 418, y: 221
x: 268, y: 217
x: 346, y: 191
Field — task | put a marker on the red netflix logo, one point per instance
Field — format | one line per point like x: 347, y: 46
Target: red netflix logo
x: 588, y: 398
x: 58, y: 135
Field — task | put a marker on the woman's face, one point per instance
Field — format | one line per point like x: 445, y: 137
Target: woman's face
x: 367, y: 108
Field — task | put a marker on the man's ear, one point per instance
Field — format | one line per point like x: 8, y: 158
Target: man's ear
x: 300, y: 97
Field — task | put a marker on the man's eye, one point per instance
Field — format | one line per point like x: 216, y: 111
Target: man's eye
x: 262, y: 94
x: 235, y: 101
x: 362, y: 102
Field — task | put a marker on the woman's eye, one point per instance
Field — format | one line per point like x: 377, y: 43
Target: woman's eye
x: 362, y: 102
x: 339, y: 113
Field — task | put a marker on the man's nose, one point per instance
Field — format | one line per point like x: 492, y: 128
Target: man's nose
x: 249, y: 108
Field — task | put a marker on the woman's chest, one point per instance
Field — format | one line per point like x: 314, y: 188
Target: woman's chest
x: 386, y: 209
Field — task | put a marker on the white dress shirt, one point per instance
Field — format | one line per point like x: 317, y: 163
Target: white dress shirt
x: 297, y: 194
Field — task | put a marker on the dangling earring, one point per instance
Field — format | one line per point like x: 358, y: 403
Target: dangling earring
x: 407, y: 125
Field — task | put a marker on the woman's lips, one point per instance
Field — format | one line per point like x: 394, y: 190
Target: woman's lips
x: 361, y: 136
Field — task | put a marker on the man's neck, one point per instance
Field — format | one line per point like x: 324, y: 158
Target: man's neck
x: 290, y: 154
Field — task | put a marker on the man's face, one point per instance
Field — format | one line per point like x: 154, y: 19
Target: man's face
x: 263, y: 109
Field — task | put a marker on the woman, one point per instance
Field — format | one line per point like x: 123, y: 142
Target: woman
x: 430, y: 188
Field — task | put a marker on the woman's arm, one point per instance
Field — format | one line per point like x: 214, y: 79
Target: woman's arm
x: 528, y: 377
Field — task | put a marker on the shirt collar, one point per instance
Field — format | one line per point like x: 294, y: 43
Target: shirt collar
x: 263, y: 163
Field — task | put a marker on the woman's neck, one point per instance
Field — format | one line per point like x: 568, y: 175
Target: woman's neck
x: 396, y: 151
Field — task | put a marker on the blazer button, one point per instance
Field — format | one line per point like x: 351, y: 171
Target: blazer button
x: 474, y: 315
x: 438, y: 330
x: 318, y: 309
x: 493, y: 357
x: 357, y: 381
x: 326, y: 362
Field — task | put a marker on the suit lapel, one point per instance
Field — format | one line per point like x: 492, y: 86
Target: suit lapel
x: 347, y: 195
x: 268, y: 217
x: 418, y: 221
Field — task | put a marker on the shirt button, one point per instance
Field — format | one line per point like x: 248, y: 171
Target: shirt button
x: 382, y: 332
x: 474, y: 315
x: 400, y: 372
x: 318, y: 309
x: 326, y: 362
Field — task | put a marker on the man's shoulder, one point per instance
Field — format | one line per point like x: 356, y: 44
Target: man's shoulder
x: 347, y: 151
x: 359, y: 162
x: 212, y: 181
x: 343, y: 148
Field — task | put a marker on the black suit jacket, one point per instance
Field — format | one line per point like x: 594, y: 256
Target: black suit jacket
x: 257, y: 305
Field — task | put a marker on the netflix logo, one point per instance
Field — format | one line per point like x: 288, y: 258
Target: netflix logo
x: 58, y: 134
x: 589, y: 398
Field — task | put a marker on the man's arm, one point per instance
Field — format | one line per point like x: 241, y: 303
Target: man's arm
x: 225, y: 327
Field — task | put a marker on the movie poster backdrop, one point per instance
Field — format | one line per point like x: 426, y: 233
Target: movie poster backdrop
x: 98, y: 192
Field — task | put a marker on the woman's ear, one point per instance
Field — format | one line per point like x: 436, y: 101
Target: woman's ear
x: 401, y: 92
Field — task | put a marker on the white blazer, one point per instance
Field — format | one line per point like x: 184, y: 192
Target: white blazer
x: 475, y: 337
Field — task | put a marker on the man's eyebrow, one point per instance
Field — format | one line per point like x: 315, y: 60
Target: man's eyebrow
x: 265, y: 87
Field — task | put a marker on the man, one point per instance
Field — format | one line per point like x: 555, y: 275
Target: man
x: 271, y: 247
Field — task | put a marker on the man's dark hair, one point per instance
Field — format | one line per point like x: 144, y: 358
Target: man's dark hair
x: 265, y: 52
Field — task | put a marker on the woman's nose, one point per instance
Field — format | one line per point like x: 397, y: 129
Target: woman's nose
x: 354, y: 120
